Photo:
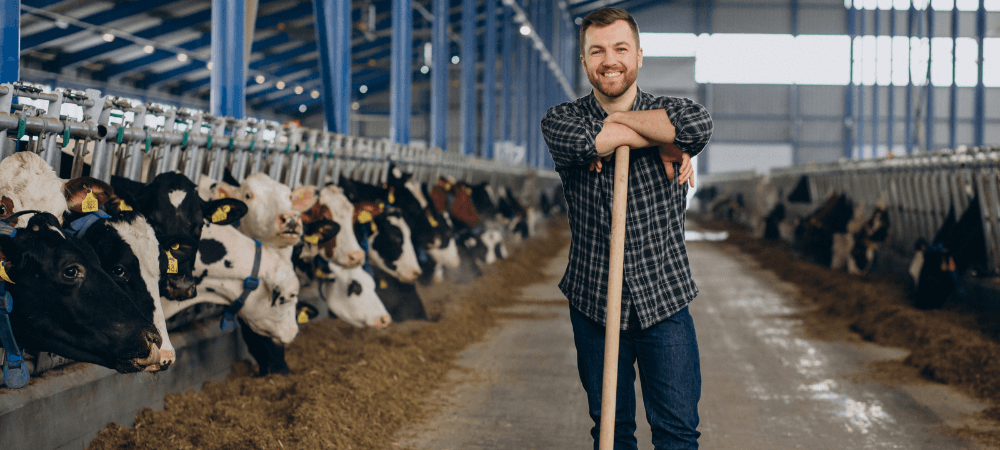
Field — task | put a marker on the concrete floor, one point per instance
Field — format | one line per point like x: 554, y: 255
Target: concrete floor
x: 765, y: 385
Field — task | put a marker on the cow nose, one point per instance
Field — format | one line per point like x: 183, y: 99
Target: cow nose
x: 287, y: 218
x: 356, y: 257
x: 153, y: 338
x: 382, y: 322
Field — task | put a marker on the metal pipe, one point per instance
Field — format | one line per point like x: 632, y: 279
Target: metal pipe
x: 929, y: 117
x: 467, y: 59
x: 489, y: 79
x: 439, y: 75
x: 979, y: 111
x: 401, y: 77
x: 228, y: 79
x: 875, y: 88
x: 953, y: 97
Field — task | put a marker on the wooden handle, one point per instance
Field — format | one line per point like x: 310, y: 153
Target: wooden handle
x: 612, y: 328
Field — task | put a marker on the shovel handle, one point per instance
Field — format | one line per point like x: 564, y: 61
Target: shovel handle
x: 612, y: 328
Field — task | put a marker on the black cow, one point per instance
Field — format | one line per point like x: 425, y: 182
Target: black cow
x: 957, y: 247
x: 773, y: 219
x: 175, y: 211
x: 66, y: 304
x: 815, y: 232
x: 801, y: 193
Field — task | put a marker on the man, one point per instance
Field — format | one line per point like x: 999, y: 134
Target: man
x: 657, y: 329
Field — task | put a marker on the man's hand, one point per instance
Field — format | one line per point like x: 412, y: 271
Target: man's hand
x: 670, y: 154
x: 597, y: 164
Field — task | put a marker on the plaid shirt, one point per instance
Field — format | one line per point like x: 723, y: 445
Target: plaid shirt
x: 657, y: 278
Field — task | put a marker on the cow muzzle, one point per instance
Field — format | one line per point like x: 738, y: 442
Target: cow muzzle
x: 180, y: 288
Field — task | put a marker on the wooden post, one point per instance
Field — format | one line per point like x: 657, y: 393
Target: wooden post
x: 612, y: 323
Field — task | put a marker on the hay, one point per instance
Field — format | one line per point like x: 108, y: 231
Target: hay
x: 348, y: 388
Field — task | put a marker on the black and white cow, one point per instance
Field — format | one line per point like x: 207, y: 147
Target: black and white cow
x: 171, y: 205
x: 28, y: 183
x: 350, y: 295
x: 225, y: 260
x: 958, y: 246
x: 66, y: 304
x: 126, y: 248
x: 815, y: 233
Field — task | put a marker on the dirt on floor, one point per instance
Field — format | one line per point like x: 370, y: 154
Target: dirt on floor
x: 954, y: 345
x: 348, y: 388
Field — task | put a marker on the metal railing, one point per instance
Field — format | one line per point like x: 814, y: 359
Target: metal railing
x: 919, y: 190
x: 112, y: 135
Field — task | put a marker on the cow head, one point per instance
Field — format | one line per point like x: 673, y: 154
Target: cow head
x: 28, y: 183
x: 274, y: 211
x: 66, y: 304
x: 271, y: 309
x: 349, y: 293
x: 177, y: 214
x: 333, y: 205
x: 390, y: 247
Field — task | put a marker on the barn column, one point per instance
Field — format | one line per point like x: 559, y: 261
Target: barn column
x: 929, y: 111
x: 979, y: 111
x: 333, y: 34
x: 440, y: 49
x: 400, y: 76
x: 10, y: 41
x: 489, y: 78
x: 228, y: 79
x: 468, y: 76
x: 911, y: 18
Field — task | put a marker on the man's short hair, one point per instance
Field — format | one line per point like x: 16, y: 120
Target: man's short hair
x: 604, y: 17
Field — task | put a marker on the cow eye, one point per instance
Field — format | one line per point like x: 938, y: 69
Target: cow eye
x: 3, y: 210
x: 119, y: 272
x: 249, y: 195
x: 72, y: 272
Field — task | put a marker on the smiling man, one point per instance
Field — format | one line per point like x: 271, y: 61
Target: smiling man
x: 657, y: 330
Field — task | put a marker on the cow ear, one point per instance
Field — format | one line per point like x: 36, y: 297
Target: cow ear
x: 320, y: 232
x: 223, y: 211
x: 224, y: 191
x: 81, y: 192
x: 304, y: 198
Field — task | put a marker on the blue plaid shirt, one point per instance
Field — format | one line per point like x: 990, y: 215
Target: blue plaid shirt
x: 657, y: 280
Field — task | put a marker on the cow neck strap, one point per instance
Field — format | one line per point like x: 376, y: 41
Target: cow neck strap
x: 15, y: 373
x: 250, y: 284
x: 80, y: 226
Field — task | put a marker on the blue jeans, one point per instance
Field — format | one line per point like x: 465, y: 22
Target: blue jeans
x: 669, y: 373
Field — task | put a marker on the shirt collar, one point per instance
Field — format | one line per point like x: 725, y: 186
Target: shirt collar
x: 598, y: 111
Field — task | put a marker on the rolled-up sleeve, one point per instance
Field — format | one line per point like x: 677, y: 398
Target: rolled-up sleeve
x: 570, y: 136
x: 693, y: 123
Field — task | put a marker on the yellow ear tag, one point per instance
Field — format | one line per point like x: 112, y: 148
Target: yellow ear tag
x: 171, y: 262
x: 89, y: 203
x: 392, y: 195
x: 122, y: 206
x: 382, y: 284
x: 3, y: 272
x: 364, y: 217
x: 430, y: 218
x: 312, y: 239
x: 303, y: 317
x: 374, y: 228
x: 221, y: 214
x: 320, y: 274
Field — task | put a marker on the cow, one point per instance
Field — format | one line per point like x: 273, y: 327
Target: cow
x: 64, y: 303
x: 938, y: 266
x: 126, y: 248
x: 28, y: 183
x: 815, y: 233
x: 801, y: 192
x: 171, y: 205
x: 349, y: 294
x: 344, y: 249
x: 274, y: 211
x: 225, y: 260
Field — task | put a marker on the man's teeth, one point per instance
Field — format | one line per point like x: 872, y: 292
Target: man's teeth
x: 612, y: 74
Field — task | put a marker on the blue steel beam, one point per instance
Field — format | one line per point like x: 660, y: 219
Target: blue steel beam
x: 891, y: 113
x: 875, y: 88
x: 979, y: 105
x: 520, y: 97
x: 468, y: 78
x: 439, y: 75
x: 10, y: 42
x: 849, y: 116
x: 929, y: 116
x: 402, y: 43
x: 861, y: 89
x: 911, y: 17
x: 489, y: 79
x: 138, y: 64
x: 120, y: 11
x: 953, y: 100
x: 228, y: 96
x: 277, y: 58
x: 169, y: 26
x: 506, y: 116
x: 333, y: 32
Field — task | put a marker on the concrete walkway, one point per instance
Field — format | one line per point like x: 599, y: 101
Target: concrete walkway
x: 765, y: 385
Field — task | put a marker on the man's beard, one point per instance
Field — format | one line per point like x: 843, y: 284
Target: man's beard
x: 628, y: 76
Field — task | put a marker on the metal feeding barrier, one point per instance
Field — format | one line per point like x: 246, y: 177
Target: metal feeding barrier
x: 113, y: 138
x: 919, y: 190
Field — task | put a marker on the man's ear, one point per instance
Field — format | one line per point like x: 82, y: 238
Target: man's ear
x: 640, y: 56
x: 223, y: 211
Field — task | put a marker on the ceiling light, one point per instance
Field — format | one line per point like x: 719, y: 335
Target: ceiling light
x: 424, y: 69
x: 149, y: 49
x: 280, y: 85
x: 182, y: 57
x: 355, y: 106
x: 209, y: 65
x: 455, y: 59
x: 363, y: 88
x: 525, y: 30
x: 302, y: 108
x: 260, y: 79
x: 62, y: 25
x: 298, y: 90
x: 314, y: 94
x: 108, y: 37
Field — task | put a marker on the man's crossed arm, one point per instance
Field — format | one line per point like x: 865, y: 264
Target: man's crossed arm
x: 640, y: 129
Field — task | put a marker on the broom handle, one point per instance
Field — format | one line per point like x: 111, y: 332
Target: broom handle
x: 609, y: 391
